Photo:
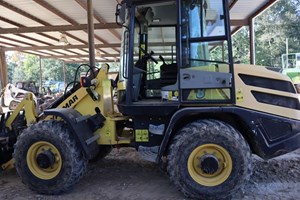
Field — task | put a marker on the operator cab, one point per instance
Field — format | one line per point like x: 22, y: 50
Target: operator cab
x: 174, y: 53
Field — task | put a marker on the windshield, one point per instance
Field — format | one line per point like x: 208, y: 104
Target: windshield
x: 203, y: 33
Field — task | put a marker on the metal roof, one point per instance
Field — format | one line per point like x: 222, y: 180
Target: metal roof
x: 35, y: 26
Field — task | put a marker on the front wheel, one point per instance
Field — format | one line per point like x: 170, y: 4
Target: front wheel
x: 48, y: 159
x: 208, y: 159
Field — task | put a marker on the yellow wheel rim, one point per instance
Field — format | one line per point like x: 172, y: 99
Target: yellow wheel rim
x: 43, y: 173
x: 216, y: 155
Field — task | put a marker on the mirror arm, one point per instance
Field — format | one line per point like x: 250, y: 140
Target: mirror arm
x: 118, y: 8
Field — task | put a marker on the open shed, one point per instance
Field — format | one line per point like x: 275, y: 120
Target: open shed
x: 37, y: 26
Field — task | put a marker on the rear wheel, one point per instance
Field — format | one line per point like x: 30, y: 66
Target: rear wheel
x: 48, y: 159
x: 209, y: 159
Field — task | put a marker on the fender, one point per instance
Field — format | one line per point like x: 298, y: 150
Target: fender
x: 79, y: 127
x: 268, y: 135
x: 175, y: 118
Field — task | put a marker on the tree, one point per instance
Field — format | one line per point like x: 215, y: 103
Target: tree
x: 53, y: 69
x: 272, y: 28
x: 31, y: 68
x: 14, y: 62
x: 240, y: 46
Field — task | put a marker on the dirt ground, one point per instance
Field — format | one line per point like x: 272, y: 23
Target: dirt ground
x: 124, y: 175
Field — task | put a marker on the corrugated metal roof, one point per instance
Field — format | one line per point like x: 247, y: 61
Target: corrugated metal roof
x: 48, y: 13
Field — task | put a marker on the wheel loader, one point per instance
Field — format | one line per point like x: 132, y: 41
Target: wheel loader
x: 181, y: 101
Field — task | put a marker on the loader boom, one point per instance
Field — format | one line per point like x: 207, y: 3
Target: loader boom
x: 8, y: 134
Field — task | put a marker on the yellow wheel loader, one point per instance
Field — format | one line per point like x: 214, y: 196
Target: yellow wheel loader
x: 180, y: 100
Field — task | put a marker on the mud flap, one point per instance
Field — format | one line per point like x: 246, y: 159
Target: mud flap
x: 80, y: 127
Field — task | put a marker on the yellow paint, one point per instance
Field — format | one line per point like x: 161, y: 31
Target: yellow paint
x: 28, y: 105
x: 8, y: 165
x: 121, y: 85
x: 141, y: 52
x: 209, y: 94
x: 109, y: 134
x: 239, y: 95
x: 249, y: 100
x: 141, y: 135
x: 87, y: 106
x: 32, y: 153
x: 224, y: 163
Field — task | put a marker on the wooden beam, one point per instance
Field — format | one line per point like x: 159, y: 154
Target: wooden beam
x: 98, y: 18
x: 63, y: 16
x: 59, y: 47
x: 86, y: 61
x: 22, y: 42
x: 36, y: 53
x: 242, y: 22
x: 102, y: 55
x: 41, y: 29
x: 114, y: 45
x: 33, y: 39
x: 8, y: 44
x: 263, y: 8
x: 21, y: 12
x: 234, y: 31
x: 42, y: 22
x: 80, y: 56
x: 15, y: 40
x: 232, y: 4
x: 30, y: 38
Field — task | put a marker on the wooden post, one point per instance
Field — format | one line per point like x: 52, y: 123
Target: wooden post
x: 65, y: 77
x: 90, y: 17
x: 252, y: 41
x: 41, y: 77
x: 3, y: 69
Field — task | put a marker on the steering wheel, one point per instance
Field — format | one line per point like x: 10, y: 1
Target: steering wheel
x: 149, y: 55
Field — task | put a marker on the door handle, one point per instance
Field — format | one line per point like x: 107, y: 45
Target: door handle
x: 186, y: 77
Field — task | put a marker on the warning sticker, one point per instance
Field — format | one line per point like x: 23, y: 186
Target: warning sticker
x: 142, y: 135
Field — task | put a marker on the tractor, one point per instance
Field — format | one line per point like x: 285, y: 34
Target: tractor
x: 180, y: 101
x: 291, y: 68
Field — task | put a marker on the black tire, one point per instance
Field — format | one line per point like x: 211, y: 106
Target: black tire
x: 200, y: 134
x: 104, y: 150
x: 56, y: 137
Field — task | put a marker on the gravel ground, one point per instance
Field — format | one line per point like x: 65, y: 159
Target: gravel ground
x: 124, y: 175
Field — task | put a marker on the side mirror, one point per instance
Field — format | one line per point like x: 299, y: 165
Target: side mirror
x: 121, y: 14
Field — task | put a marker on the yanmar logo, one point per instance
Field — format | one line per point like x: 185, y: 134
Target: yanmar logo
x: 71, y: 102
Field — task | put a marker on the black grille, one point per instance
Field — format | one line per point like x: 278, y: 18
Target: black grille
x: 276, y: 100
x: 268, y: 83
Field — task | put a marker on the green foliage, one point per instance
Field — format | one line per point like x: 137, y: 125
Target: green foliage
x: 273, y: 27
x: 31, y: 68
x: 23, y: 67
x: 14, y: 61
x: 241, y: 46
x: 53, y: 70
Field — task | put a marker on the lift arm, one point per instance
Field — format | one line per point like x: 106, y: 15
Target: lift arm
x: 28, y: 105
